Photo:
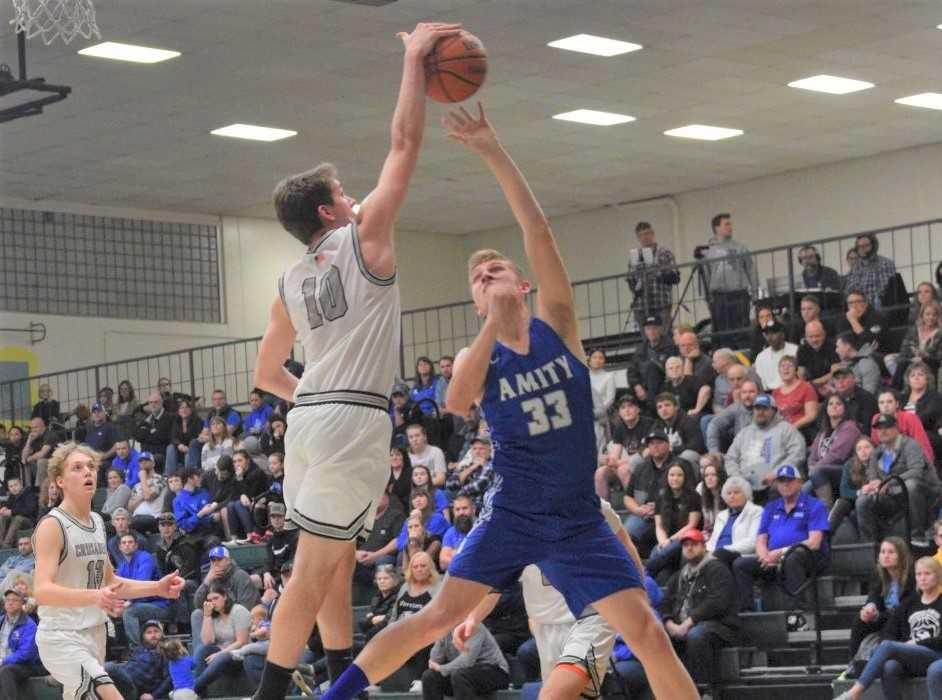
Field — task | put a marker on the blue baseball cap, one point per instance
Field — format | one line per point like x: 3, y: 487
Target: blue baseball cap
x: 219, y: 552
x: 145, y: 455
x: 764, y: 401
x: 97, y: 407
x: 787, y: 471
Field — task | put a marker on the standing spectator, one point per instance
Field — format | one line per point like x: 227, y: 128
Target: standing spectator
x: 18, y: 512
x: 147, y: 496
x: 101, y: 434
x: 478, y: 670
x: 676, y: 513
x: 624, y: 452
x: 652, y: 272
x: 224, y: 628
x: 138, y: 565
x: 923, y: 400
x: 768, y: 360
x: 125, y: 412
x: 423, y: 389
x: 859, y: 360
x: 736, y: 528
x: 218, y: 445
x: 222, y: 409
x: 699, y: 613
x: 421, y: 453
x: 816, y: 356
x: 39, y: 443
x: 710, y: 488
x: 643, y: 487
x: 866, y: 323
x: 106, y: 399
x: 796, y: 399
x: 683, y: 431
x: 154, y: 431
x: 831, y: 448
x: 380, y: 547
x: 47, y: 407
x: 387, y: 588
x: 603, y: 394
x: 127, y: 461
x: 193, y: 508
x: 651, y: 355
x: 861, y: 404
x: 727, y: 424
x: 888, y: 401
x: 873, y: 272
x: 19, y: 656
x: 731, y: 281
x: 186, y: 428
x: 814, y: 275
x: 463, y: 518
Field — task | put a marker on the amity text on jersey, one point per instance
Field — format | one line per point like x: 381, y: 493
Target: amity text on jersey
x: 536, y: 379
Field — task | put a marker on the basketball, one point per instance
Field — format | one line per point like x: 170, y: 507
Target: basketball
x: 456, y: 68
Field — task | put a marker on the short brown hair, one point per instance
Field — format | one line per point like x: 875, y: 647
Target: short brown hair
x: 62, y: 454
x: 298, y: 197
x: 486, y: 255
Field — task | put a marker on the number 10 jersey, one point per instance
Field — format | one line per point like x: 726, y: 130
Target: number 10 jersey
x: 347, y: 321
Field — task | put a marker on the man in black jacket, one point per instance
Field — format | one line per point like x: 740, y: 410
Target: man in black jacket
x: 17, y: 512
x: 650, y: 356
x: 699, y: 610
x: 279, y: 550
x: 861, y: 404
x: 154, y: 431
x: 683, y: 431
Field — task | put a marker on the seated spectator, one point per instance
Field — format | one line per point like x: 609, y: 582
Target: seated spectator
x: 50, y: 495
x: 464, y: 512
x: 19, y: 655
x: 280, y: 549
x: 737, y: 527
x: 175, y: 551
x: 19, y: 511
x: 831, y: 448
x: 224, y: 627
x: 864, y: 367
x: 814, y: 275
x: 897, y: 455
x: 731, y: 420
x: 399, y: 485
x: 218, y: 444
x: 866, y: 323
x: 700, y: 615
x: 710, y: 488
x: 652, y: 354
x: 259, y: 634
x: 127, y: 461
x: 251, y: 484
x: 477, y: 670
x: 275, y: 493
x: 724, y: 360
x: 603, y: 395
x: 685, y: 388
x: 912, y: 640
x: 222, y: 409
x: 624, y: 452
x: 387, y: 588
x: 101, y: 434
x: 433, y: 527
x: 676, y: 513
x: 797, y: 400
x: 153, y: 432
x: 794, y: 518
x: 816, y: 356
x: 255, y: 423
x: 381, y: 547
x: 121, y: 522
x: 126, y: 409
x: 225, y: 573
x: 698, y: 365
x: 12, y: 449
x: 221, y: 484
x: 759, y: 342
x: 118, y: 493
x: 760, y: 448
x: 479, y: 474
x: 892, y: 583
x: 423, y: 389
x: 106, y: 399
x: 643, y: 487
x: 767, y: 361
x: 923, y: 342
x: 400, y: 412
x: 24, y: 561
x: 853, y: 478
x: 34, y: 457
x: 683, y: 431
x: 273, y: 439
x: 423, y: 454
x: 923, y: 400
x: 147, y: 496
x: 925, y: 293
x: 195, y: 512
x: 809, y: 311
x: 185, y: 429
x: 422, y: 584
x: 422, y: 479
x: 508, y: 622
x: 888, y: 401
x: 47, y: 407
x: 138, y: 565
x: 861, y: 404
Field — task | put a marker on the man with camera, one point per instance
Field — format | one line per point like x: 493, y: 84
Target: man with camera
x: 651, y: 274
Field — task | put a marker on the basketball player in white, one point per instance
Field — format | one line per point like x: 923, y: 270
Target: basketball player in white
x: 75, y: 585
x: 341, y: 301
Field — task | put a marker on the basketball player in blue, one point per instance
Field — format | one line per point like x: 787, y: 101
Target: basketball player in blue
x: 530, y: 378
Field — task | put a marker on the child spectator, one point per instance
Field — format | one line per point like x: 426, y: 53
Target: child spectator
x: 259, y: 634
x: 181, y: 666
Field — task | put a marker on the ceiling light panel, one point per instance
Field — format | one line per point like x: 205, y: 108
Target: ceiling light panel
x: 927, y: 100
x: 594, y: 117
x: 128, y: 52
x: 595, y: 45
x: 253, y: 132
x: 703, y: 132
x: 831, y: 84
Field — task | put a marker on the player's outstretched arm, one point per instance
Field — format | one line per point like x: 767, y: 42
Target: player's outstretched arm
x: 554, y: 296
x: 169, y: 586
x: 270, y: 373
x: 470, y: 371
x: 379, y: 210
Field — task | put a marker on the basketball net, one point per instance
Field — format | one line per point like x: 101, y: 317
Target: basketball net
x: 49, y: 19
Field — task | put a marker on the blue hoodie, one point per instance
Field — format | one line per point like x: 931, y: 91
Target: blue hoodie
x: 21, y: 648
x: 148, y: 669
x: 187, y: 504
x: 130, y: 467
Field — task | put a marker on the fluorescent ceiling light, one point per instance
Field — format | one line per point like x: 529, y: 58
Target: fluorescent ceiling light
x: 831, y: 84
x: 595, y: 45
x: 929, y: 100
x: 703, y: 132
x: 591, y: 116
x: 254, y: 133
x: 128, y: 52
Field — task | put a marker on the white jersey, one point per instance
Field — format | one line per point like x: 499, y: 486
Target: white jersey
x: 82, y: 565
x: 347, y: 321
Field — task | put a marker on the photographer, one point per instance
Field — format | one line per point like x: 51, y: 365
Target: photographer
x: 651, y: 274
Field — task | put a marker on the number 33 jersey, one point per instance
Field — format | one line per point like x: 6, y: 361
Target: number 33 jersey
x: 82, y: 565
x: 539, y: 410
x: 347, y: 321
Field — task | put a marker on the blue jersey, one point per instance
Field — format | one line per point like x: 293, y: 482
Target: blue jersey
x: 539, y: 410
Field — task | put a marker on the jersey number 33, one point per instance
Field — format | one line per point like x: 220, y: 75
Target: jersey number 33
x: 549, y: 412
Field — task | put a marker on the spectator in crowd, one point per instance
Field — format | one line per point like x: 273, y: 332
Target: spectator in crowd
x: 222, y: 409
x: 913, y: 640
x: 180, y: 667
x: 185, y: 429
x: 280, y: 549
x: 926, y: 292
x: 851, y: 258
x: 724, y: 360
x: 380, y: 547
x: 101, y: 435
x: 128, y: 461
x: 796, y: 399
x: 74, y: 424
x: 763, y: 317
x: 603, y: 395
x: 224, y: 572
x: 814, y: 275
x: 175, y: 551
x: 39, y: 443
x: 698, y: 365
x: 256, y: 421
x: 387, y: 588
x: 251, y: 484
x: 422, y: 453
x: 399, y: 485
x: 624, y: 452
x: 831, y: 448
x: 464, y: 512
x: 12, y: 453
x: 923, y: 400
x: 861, y: 404
x: 47, y: 407
x: 676, y: 513
x: 138, y: 565
x: 117, y: 492
x: 121, y: 521
x: 479, y: 475
x: 897, y: 455
x: 400, y: 412
x: 892, y: 583
x: 808, y: 310
x: 853, y: 478
x: 153, y: 432
x: 18, y: 512
x: 651, y: 355
x: 193, y: 508
x: 793, y: 518
x: 50, y: 495
x: 222, y: 487
x: 171, y: 398
x: 710, y: 488
x: 731, y: 420
x: 866, y: 323
x: 736, y: 527
x: 125, y: 411
x: 767, y: 361
x: 816, y: 356
x: 652, y: 273
x: 422, y: 479
x: 218, y: 444
x: 731, y: 280
x: 643, y: 487
x: 224, y: 627
x: 433, y: 524
x: 764, y: 445
x: 477, y: 670
x: 860, y: 362
x: 273, y: 439
x: 908, y: 424
x: 424, y: 386
x: 700, y: 615
x: 687, y: 390
x: 923, y: 342
x: 19, y: 655
x: 446, y: 364
x: 683, y: 431
x: 147, y: 496
x: 23, y: 561
x: 106, y: 399
x: 422, y: 584
x: 873, y: 272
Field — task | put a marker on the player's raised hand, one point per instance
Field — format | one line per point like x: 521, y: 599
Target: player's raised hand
x: 171, y: 585
x: 475, y: 133
x: 421, y: 40
x: 462, y: 633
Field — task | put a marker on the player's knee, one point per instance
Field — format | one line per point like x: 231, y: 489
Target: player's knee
x: 566, y: 682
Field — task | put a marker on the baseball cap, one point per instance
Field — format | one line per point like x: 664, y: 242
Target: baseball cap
x: 97, y: 407
x: 145, y: 455
x: 764, y: 401
x: 787, y: 471
x: 219, y: 552
x: 652, y: 321
x: 842, y: 369
x: 12, y: 590
x: 773, y: 326
x: 166, y: 518
x: 629, y: 398
x: 119, y: 512
x: 885, y: 421
x: 655, y: 435
x: 399, y: 389
x: 277, y: 509
x: 151, y: 623
x: 694, y: 536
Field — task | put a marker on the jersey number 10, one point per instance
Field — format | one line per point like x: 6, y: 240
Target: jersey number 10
x: 330, y: 297
x: 541, y: 421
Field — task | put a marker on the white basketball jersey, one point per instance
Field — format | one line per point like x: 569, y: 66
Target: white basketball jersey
x: 347, y: 321
x: 82, y: 564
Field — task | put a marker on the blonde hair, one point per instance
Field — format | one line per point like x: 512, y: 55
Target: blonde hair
x: 934, y: 566
x: 62, y: 454
x: 433, y: 570
x: 486, y: 255
x: 259, y: 610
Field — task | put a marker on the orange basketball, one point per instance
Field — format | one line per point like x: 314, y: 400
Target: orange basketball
x: 456, y: 68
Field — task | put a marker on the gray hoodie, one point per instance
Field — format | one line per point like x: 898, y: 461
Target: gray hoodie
x: 729, y: 266
x: 756, y: 452
x: 729, y: 422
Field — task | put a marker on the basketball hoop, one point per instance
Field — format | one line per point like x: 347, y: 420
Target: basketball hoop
x: 49, y: 19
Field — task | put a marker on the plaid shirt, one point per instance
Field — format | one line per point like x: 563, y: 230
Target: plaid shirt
x: 476, y: 486
x: 651, y: 284
x: 870, y: 277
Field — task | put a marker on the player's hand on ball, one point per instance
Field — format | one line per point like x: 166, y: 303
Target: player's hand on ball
x: 476, y: 134
x: 171, y: 585
x: 424, y: 36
